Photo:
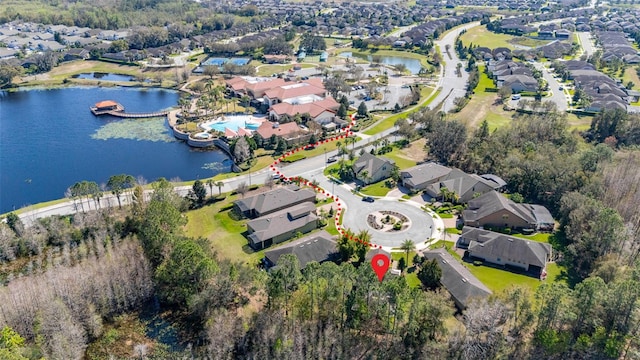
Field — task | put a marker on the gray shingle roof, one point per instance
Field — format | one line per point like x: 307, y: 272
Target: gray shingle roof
x: 424, y: 173
x: 489, y: 244
x: 457, y: 279
x: 492, y: 202
x: 462, y: 183
x: 370, y: 163
x: 281, y: 222
x: 275, y: 200
x: 318, y: 247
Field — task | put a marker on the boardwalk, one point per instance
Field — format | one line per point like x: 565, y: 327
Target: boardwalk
x: 123, y: 114
x: 110, y: 107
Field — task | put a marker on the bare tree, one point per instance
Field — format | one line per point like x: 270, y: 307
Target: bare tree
x: 242, y: 188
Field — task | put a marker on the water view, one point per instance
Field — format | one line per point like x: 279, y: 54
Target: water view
x: 49, y: 140
x: 413, y: 65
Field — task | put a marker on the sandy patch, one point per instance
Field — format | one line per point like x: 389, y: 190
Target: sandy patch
x: 415, y: 151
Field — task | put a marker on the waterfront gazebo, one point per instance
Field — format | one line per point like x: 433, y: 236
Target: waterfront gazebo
x: 106, y: 105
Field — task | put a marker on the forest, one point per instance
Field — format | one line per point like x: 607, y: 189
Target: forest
x: 112, y: 15
x: 71, y: 283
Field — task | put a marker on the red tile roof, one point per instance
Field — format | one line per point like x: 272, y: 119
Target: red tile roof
x: 312, y: 109
x: 267, y: 129
x: 106, y: 104
x: 293, y: 90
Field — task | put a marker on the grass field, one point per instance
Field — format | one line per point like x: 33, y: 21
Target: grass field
x: 482, y: 106
x: 401, y: 158
x: 630, y: 74
x: 480, y: 36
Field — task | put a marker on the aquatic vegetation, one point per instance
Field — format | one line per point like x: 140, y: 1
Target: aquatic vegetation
x: 153, y: 129
x: 214, y: 166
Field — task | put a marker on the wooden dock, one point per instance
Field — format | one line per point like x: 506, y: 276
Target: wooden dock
x: 116, y: 109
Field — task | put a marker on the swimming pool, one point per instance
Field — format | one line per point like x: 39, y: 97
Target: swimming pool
x: 233, y: 122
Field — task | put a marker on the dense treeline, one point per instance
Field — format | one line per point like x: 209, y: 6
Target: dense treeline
x: 113, y: 15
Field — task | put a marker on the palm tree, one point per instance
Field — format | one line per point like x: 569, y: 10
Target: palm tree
x: 219, y: 184
x: 210, y: 183
x: 408, y: 246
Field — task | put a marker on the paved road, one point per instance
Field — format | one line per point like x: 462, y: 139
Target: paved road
x: 452, y: 86
x: 557, y: 96
x: 587, y: 44
x: 397, y: 32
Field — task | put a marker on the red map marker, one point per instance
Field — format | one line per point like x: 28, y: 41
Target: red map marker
x: 380, y: 265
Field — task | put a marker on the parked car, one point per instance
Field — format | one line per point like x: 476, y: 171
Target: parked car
x: 368, y: 199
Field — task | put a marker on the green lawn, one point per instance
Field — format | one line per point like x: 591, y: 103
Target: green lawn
x: 498, y: 280
x: 485, y: 81
x: 294, y: 158
x: 376, y: 189
x: 225, y: 234
x: 539, y: 237
x: 391, y: 120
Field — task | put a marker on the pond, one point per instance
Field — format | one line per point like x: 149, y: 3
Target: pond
x: 413, y: 65
x: 104, y: 76
x: 49, y: 140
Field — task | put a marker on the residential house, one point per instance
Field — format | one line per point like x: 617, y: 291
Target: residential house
x: 371, y: 169
x: 563, y: 34
x: 282, y: 225
x: 464, y: 187
x: 508, y: 251
x: 495, y: 210
x: 520, y: 83
x: 272, y: 201
x: 319, y: 247
x: 76, y: 54
x: 419, y: 177
x: 463, y: 287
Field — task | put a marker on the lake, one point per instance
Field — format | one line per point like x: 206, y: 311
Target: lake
x: 49, y: 140
x: 413, y: 65
x: 104, y: 76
